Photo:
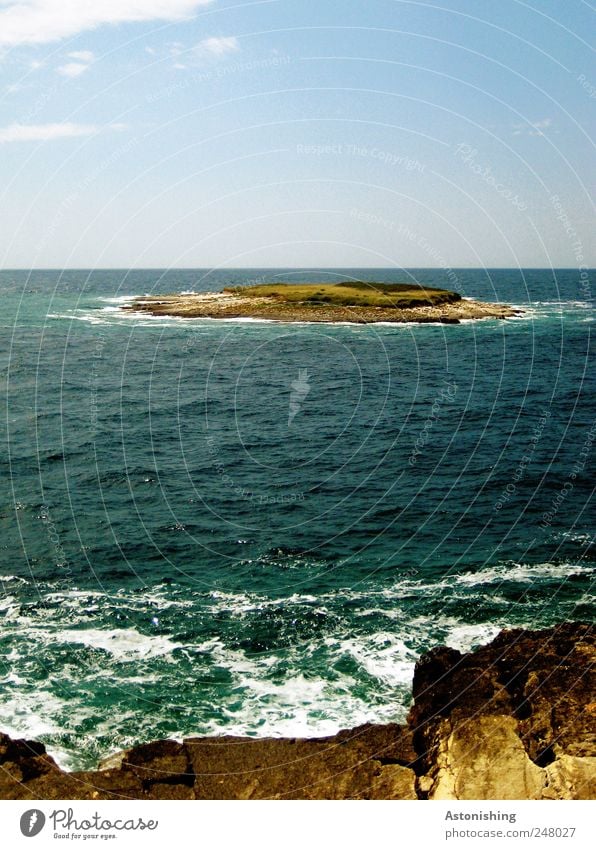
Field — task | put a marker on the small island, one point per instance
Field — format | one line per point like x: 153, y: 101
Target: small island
x: 352, y: 301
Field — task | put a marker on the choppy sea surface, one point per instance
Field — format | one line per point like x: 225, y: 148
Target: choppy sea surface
x: 256, y: 528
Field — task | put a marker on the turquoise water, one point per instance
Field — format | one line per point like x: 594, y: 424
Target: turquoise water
x: 256, y: 528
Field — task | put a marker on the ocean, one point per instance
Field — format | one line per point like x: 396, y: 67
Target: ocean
x: 256, y: 528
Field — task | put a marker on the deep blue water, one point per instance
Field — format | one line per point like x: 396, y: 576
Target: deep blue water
x: 232, y: 527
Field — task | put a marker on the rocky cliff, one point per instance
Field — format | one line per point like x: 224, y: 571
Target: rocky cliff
x: 515, y: 719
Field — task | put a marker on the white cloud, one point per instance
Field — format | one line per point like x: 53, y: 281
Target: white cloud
x: 532, y: 128
x: 44, y: 132
x: 72, y: 69
x: 43, y: 21
x: 218, y: 46
x: 83, y: 59
x: 82, y: 56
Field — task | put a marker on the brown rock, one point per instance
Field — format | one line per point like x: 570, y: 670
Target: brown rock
x: 571, y: 778
x: 543, y: 678
x: 351, y: 765
x: 163, y: 762
x: 485, y: 759
x: 489, y: 723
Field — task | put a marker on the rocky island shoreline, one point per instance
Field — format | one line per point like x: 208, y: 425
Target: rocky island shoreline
x: 515, y: 719
x: 354, y: 302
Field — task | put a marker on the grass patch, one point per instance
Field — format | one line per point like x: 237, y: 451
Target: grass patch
x: 350, y: 293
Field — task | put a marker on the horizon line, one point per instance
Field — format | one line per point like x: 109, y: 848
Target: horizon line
x: 303, y: 268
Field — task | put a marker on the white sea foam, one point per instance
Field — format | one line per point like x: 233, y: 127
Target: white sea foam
x: 118, y: 299
x: 10, y: 608
x: 299, y: 705
x: 123, y: 644
x: 90, y: 318
x: 464, y: 637
x: 579, y: 304
x: 26, y: 714
x: 522, y: 573
x: 383, y: 656
x: 117, y: 316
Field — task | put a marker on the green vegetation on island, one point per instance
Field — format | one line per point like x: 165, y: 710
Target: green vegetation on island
x: 353, y: 293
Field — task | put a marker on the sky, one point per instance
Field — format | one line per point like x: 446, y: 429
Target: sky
x: 297, y: 133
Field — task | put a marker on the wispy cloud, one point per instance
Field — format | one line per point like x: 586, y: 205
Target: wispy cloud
x: 72, y: 69
x: 532, y: 128
x: 44, y: 132
x: 215, y: 46
x: 82, y: 60
x: 43, y: 21
x: 82, y: 56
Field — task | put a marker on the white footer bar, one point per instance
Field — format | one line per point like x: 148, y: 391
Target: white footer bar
x: 289, y: 824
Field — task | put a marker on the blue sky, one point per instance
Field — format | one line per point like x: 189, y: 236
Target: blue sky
x: 164, y: 133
